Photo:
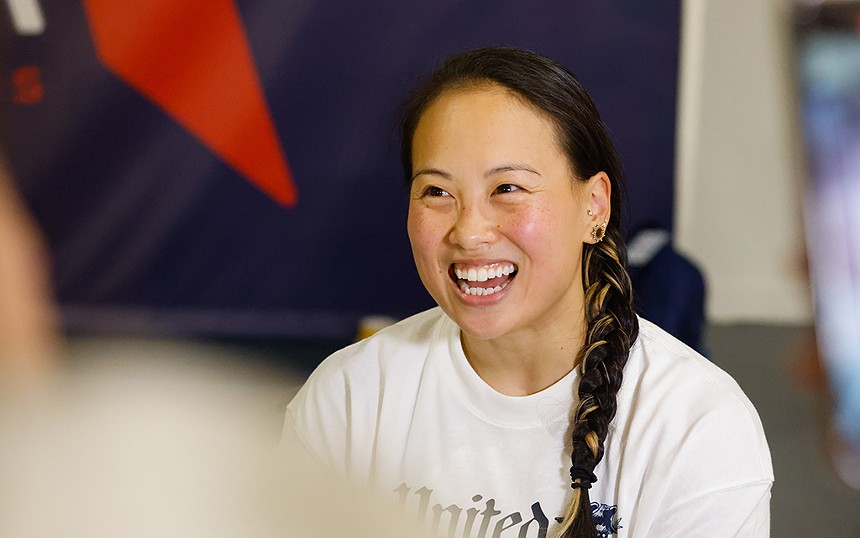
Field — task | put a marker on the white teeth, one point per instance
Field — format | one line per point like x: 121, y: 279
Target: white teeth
x: 475, y: 290
x: 482, y: 274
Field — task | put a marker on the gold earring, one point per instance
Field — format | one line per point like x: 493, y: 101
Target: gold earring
x: 599, y: 232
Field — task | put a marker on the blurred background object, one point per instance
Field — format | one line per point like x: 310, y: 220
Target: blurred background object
x: 828, y: 71
x: 668, y: 287
x: 29, y: 325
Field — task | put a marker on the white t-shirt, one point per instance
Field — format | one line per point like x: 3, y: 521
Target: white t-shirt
x: 404, y: 411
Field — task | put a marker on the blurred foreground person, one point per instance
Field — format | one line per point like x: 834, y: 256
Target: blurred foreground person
x: 28, y: 318
x: 123, y: 444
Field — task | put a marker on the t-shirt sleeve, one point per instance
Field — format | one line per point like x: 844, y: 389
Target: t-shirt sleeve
x: 333, y: 415
x: 315, y: 426
x: 292, y: 448
x: 718, y: 479
x: 742, y: 511
x: 698, y: 444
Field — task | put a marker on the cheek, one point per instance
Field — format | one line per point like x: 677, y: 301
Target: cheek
x: 425, y: 235
x: 549, y: 238
x: 534, y: 227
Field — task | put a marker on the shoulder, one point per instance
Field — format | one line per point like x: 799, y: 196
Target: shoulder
x: 686, y: 433
x: 359, y: 371
x: 667, y: 367
x: 335, y: 413
x: 691, y: 407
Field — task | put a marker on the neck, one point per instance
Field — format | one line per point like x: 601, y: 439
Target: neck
x: 526, y: 364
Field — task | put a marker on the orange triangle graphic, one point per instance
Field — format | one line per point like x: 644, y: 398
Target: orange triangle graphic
x: 193, y: 60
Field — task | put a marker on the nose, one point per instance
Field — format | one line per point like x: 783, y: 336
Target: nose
x: 473, y: 228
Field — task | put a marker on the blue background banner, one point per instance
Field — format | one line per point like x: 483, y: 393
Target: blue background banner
x: 154, y: 225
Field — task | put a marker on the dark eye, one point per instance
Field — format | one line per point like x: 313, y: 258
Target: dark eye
x: 506, y: 188
x: 435, y: 191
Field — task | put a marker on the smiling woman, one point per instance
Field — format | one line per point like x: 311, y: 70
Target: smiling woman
x: 535, y: 361
x: 472, y: 211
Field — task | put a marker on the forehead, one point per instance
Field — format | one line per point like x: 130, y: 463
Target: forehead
x: 485, y: 115
x: 483, y: 99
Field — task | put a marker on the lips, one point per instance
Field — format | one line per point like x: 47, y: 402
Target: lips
x: 483, y: 280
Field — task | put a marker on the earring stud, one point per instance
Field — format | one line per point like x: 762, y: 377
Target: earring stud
x: 590, y: 212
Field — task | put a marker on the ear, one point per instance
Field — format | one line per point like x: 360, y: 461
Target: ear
x: 598, y: 196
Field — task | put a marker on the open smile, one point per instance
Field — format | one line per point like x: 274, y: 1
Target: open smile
x: 480, y: 280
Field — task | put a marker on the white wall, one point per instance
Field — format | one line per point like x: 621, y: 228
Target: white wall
x: 739, y: 161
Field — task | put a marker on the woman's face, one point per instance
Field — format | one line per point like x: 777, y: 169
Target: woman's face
x: 496, y: 220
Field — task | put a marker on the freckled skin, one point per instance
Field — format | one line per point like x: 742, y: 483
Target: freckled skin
x: 471, y: 205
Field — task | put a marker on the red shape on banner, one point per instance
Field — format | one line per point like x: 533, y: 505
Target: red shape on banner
x: 27, y: 88
x: 193, y: 60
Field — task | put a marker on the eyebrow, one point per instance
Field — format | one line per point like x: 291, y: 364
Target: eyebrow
x: 511, y: 167
x: 432, y: 172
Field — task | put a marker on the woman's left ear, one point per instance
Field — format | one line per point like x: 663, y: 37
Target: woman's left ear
x: 598, y: 190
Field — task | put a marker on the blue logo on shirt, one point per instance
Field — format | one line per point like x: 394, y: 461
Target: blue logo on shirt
x: 604, y: 519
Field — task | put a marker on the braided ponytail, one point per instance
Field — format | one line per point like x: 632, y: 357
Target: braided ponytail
x: 611, y: 323
x: 612, y: 327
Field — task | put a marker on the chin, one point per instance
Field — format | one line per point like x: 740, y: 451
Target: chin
x: 480, y: 326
